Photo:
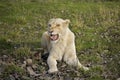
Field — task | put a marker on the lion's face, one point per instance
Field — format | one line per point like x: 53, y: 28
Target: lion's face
x: 57, y: 28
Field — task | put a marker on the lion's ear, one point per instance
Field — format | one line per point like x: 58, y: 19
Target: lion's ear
x: 66, y: 23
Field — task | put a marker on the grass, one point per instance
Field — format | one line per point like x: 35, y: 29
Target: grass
x: 12, y: 69
x: 95, y: 24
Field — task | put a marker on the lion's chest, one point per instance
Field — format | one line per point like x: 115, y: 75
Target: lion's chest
x: 58, y: 49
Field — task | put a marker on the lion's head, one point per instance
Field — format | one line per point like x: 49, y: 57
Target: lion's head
x: 57, y: 28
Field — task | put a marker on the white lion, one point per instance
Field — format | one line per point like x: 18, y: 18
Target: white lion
x: 59, y: 42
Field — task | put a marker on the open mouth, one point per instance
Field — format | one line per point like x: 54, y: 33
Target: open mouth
x: 54, y: 37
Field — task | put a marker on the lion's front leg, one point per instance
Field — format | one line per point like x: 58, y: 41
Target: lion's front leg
x: 52, y: 63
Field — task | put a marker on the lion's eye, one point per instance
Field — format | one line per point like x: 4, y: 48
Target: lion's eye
x: 49, y: 25
x: 58, y: 25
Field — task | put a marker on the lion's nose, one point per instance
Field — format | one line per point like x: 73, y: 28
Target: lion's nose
x: 50, y: 32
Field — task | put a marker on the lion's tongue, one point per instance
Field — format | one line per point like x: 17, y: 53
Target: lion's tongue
x: 54, y: 37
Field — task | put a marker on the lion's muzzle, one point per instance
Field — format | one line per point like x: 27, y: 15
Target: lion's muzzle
x: 54, y: 37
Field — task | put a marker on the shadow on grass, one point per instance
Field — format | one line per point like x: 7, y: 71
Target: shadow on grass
x: 10, y: 47
x: 4, y: 44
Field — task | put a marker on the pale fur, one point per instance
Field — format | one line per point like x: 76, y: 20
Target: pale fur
x: 63, y: 48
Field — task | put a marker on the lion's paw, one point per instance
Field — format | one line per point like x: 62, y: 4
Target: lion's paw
x: 52, y: 70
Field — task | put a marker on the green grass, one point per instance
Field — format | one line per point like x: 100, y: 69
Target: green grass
x: 95, y: 24
x: 12, y: 69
